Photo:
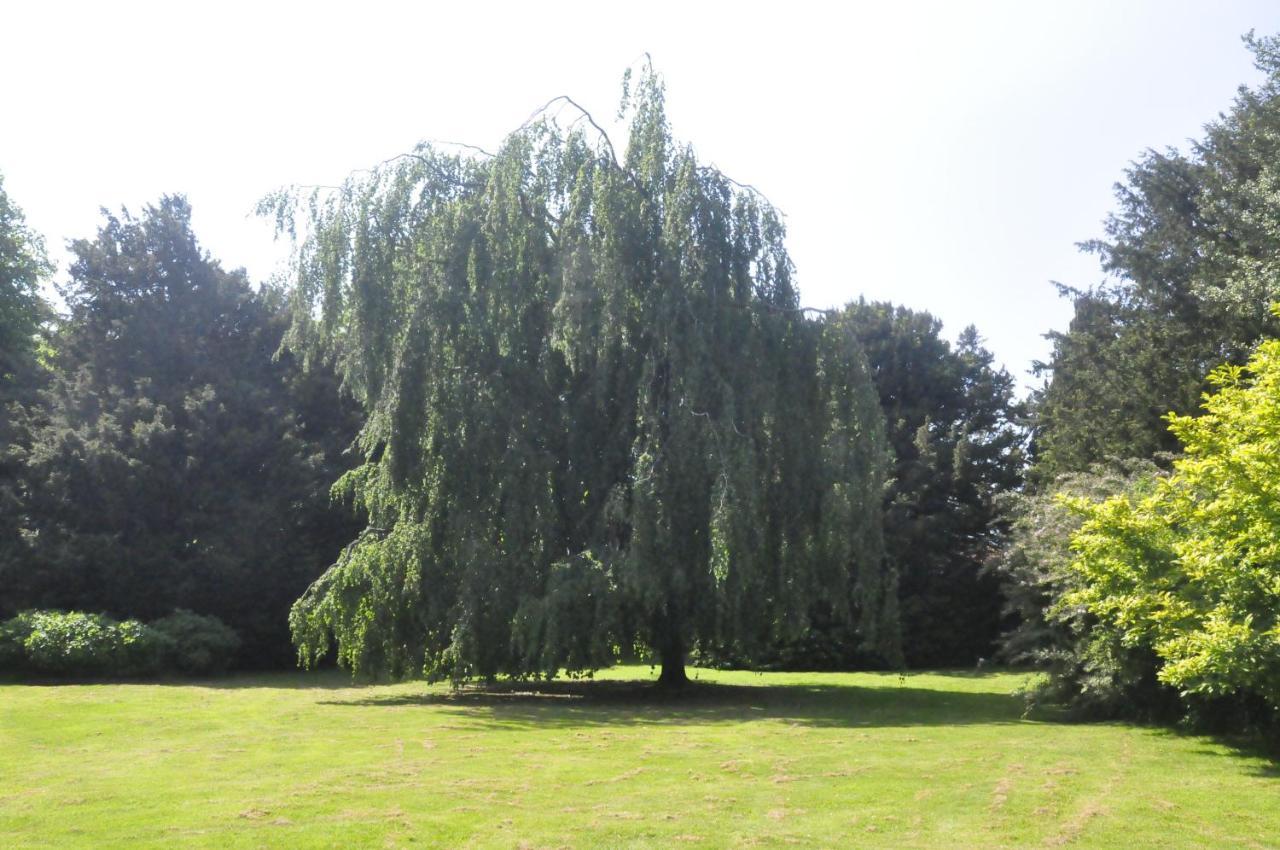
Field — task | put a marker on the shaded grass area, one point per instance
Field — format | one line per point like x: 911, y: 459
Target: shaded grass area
x: 740, y: 759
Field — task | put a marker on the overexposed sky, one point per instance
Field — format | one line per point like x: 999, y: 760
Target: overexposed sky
x: 946, y: 156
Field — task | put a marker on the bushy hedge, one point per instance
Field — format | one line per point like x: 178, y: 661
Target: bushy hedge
x: 199, y: 645
x: 1187, y: 569
x: 1158, y: 595
x: 73, y: 643
x: 1089, y: 670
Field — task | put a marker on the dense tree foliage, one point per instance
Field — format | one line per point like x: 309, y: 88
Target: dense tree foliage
x: 1193, y: 256
x: 1165, y: 605
x: 598, y: 422
x: 955, y: 427
x: 22, y: 266
x: 1090, y: 670
x: 171, y: 461
x: 1188, y: 567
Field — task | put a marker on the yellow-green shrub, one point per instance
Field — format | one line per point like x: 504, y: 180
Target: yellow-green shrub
x: 1190, y: 567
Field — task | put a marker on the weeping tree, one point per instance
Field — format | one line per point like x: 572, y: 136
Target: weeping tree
x: 599, y: 425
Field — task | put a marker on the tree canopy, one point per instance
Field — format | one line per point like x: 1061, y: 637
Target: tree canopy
x: 1187, y: 568
x: 599, y: 423
x: 1165, y: 606
x: 170, y: 460
x: 22, y: 266
x: 1192, y: 253
x: 955, y: 428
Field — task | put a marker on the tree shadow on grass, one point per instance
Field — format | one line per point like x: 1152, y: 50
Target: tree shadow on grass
x: 562, y: 704
x: 328, y: 680
x: 294, y: 680
x: 1260, y: 757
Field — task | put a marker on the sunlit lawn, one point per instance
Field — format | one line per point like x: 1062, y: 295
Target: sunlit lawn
x: 810, y: 760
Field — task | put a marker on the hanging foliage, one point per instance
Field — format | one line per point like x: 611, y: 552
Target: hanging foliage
x: 599, y: 424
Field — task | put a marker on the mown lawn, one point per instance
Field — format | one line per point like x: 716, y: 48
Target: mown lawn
x: 807, y: 760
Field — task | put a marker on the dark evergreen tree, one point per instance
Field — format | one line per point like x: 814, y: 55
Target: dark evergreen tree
x: 956, y: 428
x: 172, y: 461
x: 1192, y: 254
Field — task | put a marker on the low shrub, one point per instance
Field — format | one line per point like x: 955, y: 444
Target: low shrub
x: 200, y: 645
x: 13, y: 635
x: 76, y: 644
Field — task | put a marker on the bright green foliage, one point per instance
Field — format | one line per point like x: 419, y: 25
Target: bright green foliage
x: 1089, y: 669
x: 1172, y: 576
x: 598, y: 421
x: 72, y: 643
x: 77, y: 644
x: 1190, y: 568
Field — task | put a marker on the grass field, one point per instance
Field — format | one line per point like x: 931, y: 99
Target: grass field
x: 745, y: 760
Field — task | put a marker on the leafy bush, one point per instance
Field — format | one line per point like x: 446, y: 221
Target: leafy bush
x: 1188, y: 569
x: 13, y: 636
x: 1089, y: 669
x: 59, y: 643
x: 78, y: 644
x: 199, y: 645
x: 1159, y: 595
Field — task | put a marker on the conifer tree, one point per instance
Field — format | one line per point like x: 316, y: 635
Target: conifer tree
x: 170, y: 460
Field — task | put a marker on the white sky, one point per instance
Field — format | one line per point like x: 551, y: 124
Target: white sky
x: 946, y: 156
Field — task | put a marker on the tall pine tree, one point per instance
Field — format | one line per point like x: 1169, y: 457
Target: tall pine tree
x: 956, y: 431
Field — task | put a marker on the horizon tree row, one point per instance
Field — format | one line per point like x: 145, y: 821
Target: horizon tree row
x: 594, y: 423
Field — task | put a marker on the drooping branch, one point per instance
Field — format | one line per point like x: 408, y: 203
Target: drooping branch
x: 464, y: 145
x: 585, y: 450
x: 564, y: 98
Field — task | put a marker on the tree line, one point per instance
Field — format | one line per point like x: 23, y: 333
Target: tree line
x: 157, y: 454
x: 540, y: 410
x: 560, y: 405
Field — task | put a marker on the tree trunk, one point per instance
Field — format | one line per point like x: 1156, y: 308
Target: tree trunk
x: 673, y: 676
